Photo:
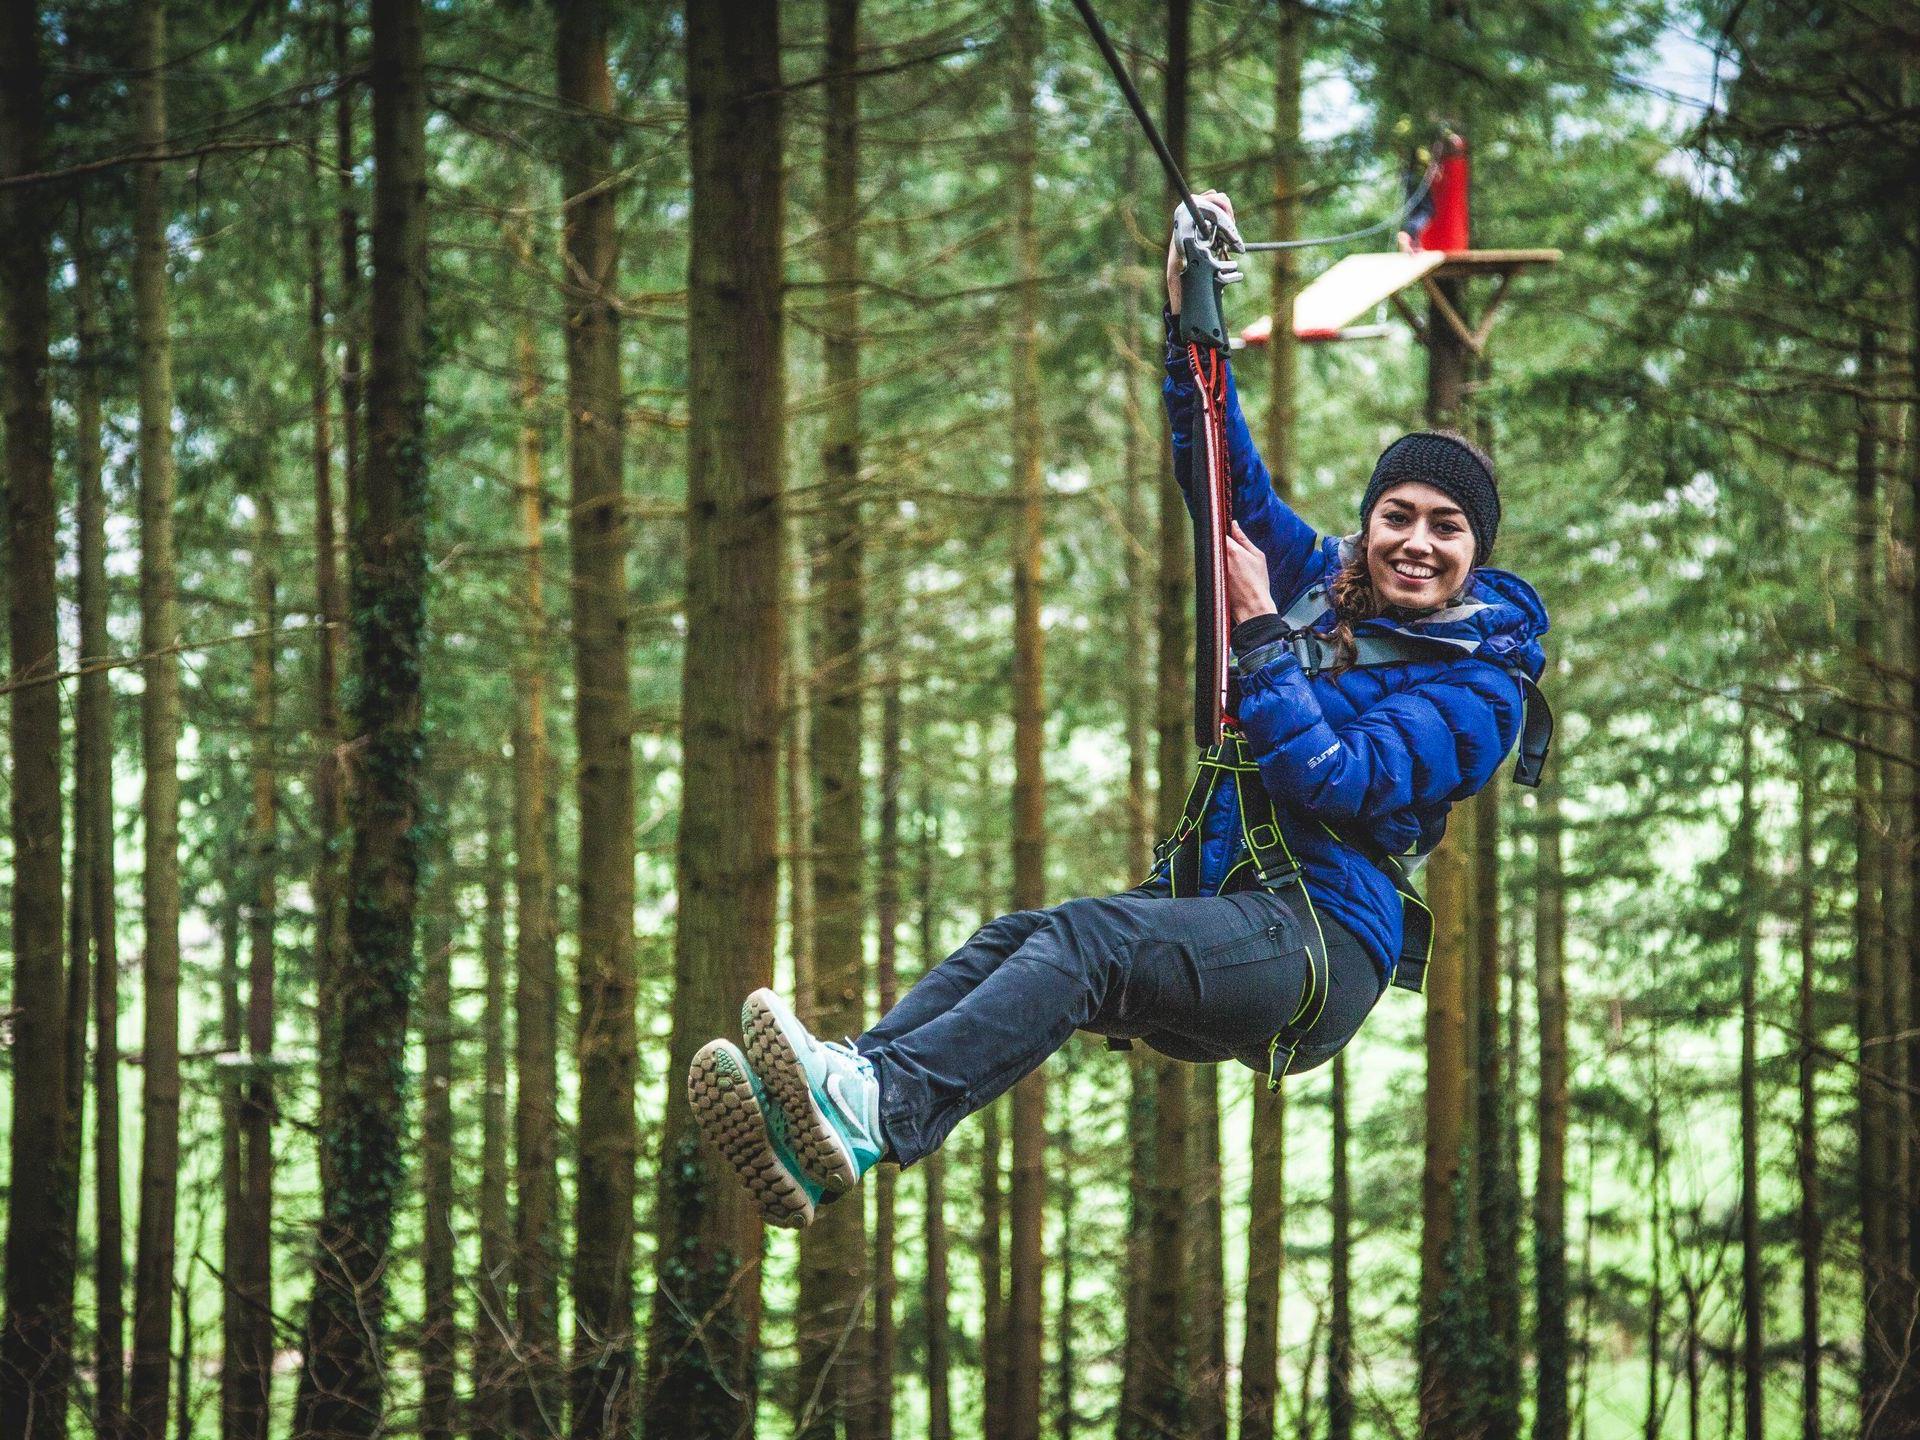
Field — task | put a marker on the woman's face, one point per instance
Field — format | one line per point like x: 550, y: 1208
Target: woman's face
x: 1419, y: 547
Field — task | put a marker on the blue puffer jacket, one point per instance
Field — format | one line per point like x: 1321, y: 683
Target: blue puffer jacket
x: 1384, y: 750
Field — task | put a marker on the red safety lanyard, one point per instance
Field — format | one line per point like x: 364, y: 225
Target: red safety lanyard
x: 1213, y: 509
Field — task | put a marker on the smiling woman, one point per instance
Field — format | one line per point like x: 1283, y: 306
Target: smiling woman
x: 1387, y: 684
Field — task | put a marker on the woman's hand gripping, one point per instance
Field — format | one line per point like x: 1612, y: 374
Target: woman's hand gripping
x: 1249, y: 591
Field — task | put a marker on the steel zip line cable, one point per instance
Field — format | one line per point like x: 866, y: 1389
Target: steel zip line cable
x: 1167, y: 163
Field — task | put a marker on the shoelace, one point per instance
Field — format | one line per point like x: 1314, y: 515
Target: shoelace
x: 845, y: 1047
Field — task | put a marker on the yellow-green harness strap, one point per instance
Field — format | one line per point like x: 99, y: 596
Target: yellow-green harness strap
x: 1274, y: 868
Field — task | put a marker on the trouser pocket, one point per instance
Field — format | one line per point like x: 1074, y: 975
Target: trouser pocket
x: 1220, y: 996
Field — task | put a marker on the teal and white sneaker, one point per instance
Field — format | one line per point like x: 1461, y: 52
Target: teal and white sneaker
x: 742, y: 1124
x: 827, y: 1091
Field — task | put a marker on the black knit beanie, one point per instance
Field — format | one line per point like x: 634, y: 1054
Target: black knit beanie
x: 1451, y: 464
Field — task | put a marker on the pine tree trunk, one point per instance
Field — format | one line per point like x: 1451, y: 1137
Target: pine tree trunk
x: 1446, y: 1184
x: 1656, y: 1281
x: 1027, y: 1201
x: 1207, y: 1382
x: 1266, y: 1259
x: 490, y: 1408
x: 252, y: 1349
x: 153, y: 1280
x: 93, y: 749
x: 935, y: 1294
x: 538, y: 1401
x: 1266, y: 1197
x: 834, y: 1376
x: 330, y: 603
x: 1162, y: 1403
x: 1497, y: 1202
x: 233, y: 1205
x: 1550, y: 1177
x: 886, y: 908
x: 710, y: 1236
x: 1137, y: 697
x: 1340, y: 1294
x: 36, y: 1334
x: 935, y: 1302
x: 603, y: 1342
x: 437, y: 1325
x: 1752, y: 1339
x: 1904, y: 1413
x: 1879, y: 1104
x: 1812, y: 1229
x: 993, y: 1299
x: 362, y: 1138
x: 796, y: 741
x: 1443, y: 1188
x: 1065, y: 1173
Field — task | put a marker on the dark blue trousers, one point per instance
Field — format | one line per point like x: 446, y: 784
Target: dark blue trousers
x: 1202, y: 979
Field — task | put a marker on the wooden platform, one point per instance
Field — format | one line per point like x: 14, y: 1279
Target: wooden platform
x: 1352, y: 287
x: 1464, y: 264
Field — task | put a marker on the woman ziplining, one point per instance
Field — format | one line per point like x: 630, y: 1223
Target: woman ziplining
x: 1377, y: 679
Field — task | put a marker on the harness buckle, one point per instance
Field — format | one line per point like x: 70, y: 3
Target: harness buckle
x: 1305, y: 650
x: 1275, y: 877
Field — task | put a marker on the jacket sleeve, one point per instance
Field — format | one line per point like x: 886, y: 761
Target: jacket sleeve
x: 1439, y: 740
x: 1286, y: 540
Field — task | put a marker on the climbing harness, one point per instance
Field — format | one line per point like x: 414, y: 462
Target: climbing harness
x: 1273, y: 866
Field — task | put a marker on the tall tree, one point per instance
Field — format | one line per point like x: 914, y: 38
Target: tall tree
x: 251, y: 1345
x: 886, y: 970
x: 602, y: 1388
x: 1810, y: 1222
x: 492, y: 1360
x: 1266, y: 1197
x: 1026, y: 1210
x: 1550, y: 1174
x: 1162, y: 1402
x: 361, y: 1144
x: 1752, y: 1302
x: 438, y: 1328
x: 36, y: 1333
x: 1206, y: 1224
x: 1136, y: 616
x: 538, y: 1399
x: 935, y: 1292
x: 703, y: 1384
x: 1879, y: 1101
x: 831, y: 1377
x: 153, y: 1277
x: 93, y: 779
x: 1339, y: 1280
x: 330, y: 601
x: 1445, y: 1314
x: 1496, y: 1183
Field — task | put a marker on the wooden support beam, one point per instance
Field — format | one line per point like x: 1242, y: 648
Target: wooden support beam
x: 1455, y: 321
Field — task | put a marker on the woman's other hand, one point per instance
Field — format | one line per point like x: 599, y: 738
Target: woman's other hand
x: 1249, y: 593
x: 1227, y: 242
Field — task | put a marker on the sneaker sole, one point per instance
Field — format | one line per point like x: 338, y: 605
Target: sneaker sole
x: 721, y: 1094
x: 776, y: 1060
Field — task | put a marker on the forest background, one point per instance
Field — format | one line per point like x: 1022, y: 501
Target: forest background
x: 524, y: 522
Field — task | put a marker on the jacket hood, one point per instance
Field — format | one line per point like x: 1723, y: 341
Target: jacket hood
x: 1501, y: 614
